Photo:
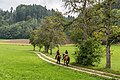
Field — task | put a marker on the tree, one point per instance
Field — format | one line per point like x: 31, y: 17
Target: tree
x: 86, y: 23
x: 11, y: 10
x: 33, y: 39
x: 51, y: 33
x: 89, y: 53
x: 80, y: 7
x: 107, y: 21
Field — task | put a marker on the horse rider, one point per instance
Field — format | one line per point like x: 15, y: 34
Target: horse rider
x: 57, y: 53
x: 66, y: 54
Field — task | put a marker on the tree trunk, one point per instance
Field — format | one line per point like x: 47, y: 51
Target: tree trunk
x: 108, y: 55
x: 85, y: 22
x: 34, y: 47
x: 50, y: 50
x: 108, y: 60
x: 85, y: 32
x: 46, y: 48
x: 39, y: 49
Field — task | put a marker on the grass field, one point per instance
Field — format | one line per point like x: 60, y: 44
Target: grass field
x: 18, y: 62
x: 115, y: 57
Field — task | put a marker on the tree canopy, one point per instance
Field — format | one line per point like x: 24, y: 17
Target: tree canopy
x: 18, y: 23
x: 51, y: 32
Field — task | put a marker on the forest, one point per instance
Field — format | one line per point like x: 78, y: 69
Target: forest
x: 17, y: 24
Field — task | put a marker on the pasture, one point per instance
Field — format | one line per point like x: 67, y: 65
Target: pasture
x: 115, y: 57
x: 18, y: 62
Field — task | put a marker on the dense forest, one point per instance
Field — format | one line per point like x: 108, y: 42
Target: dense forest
x: 18, y: 23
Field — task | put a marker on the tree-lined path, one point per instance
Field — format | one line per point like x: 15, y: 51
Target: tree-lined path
x: 80, y: 69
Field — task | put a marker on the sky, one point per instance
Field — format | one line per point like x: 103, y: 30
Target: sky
x: 55, y: 4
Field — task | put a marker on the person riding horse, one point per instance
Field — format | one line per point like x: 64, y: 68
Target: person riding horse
x: 57, y: 53
x: 58, y: 56
x: 66, y: 58
x: 66, y: 54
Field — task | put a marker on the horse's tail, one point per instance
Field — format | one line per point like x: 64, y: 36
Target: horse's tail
x: 59, y: 57
x: 68, y: 59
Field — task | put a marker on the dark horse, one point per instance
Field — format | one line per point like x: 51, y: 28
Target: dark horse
x: 58, y: 58
x: 66, y: 59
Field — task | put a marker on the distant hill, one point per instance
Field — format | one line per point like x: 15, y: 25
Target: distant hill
x: 18, y: 23
x: 24, y: 12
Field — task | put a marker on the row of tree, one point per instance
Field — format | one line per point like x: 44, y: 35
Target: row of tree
x: 50, y: 34
x: 97, y: 21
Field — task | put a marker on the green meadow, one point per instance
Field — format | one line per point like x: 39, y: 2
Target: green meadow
x: 18, y: 62
x: 115, y: 57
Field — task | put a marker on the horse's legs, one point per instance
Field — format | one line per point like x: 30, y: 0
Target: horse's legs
x: 59, y: 61
x: 64, y: 62
x: 67, y: 63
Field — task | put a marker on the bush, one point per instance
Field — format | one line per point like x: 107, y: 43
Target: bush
x: 89, y: 52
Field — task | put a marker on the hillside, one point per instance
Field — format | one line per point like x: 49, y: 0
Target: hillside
x: 15, y: 24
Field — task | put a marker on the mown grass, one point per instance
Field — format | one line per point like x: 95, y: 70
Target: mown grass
x: 18, y: 62
x: 115, y: 57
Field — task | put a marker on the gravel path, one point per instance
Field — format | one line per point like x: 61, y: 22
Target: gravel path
x: 80, y: 69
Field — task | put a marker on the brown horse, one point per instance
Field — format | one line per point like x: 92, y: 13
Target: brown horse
x: 66, y: 60
x: 58, y: 58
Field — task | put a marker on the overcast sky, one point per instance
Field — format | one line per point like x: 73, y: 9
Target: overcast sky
x: 55, y: 4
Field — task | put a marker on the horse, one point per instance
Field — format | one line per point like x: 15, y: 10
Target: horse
x: 58, y: 58
x: 66, y: 59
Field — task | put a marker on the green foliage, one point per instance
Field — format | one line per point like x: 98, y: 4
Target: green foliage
x: 94, y: 18
x: 116, y: 17
x: 33, y: 39
x: 18, y: 23
x: 115, y: 35
x: 89, y: 53
x: 116, y: 5
x: 51, y: 32
x: 24, y: 12
x: 76, y: 34
x: 18, y: 30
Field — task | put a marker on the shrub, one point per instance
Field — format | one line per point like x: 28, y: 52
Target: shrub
x: 89, y: 52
